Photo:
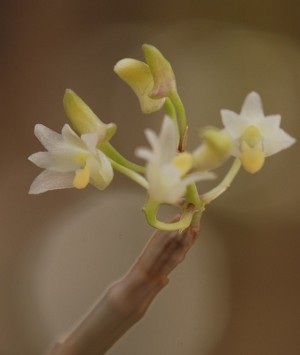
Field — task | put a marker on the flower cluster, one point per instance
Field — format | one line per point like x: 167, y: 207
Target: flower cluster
x: 83, y: 154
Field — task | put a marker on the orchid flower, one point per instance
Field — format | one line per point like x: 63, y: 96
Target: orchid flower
x: 70, y: 161
x: 255, y: 136
x: 84, y: 120
x: 167, y: 171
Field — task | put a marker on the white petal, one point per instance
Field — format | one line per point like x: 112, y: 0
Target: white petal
x: 252, y: 107
x: 61, y: 161
x: 235, y: 150
x: 164, y: 183
x: 101, y: 171
x: 155, y: 143
x: 144, y: 153
x: 233, y: 123
x: 152, y: 138
x: 277, y: 142
x: 49, y: 138
x: 168, y: 140
x: 90, y: 140
x: 67, y: 160
x: 164, y: 146
x: 181, y: 187
x: 174, y: 194
x: 198, y: 177
x: 42, y: 159
x: 71, y: 138
x: 51, y: 180
x: 270, y: 124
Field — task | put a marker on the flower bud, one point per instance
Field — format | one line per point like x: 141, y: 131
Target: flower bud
x: 138, y: 76
x: 214, y: 150
x: 163, y: 75
x: 83, y: 119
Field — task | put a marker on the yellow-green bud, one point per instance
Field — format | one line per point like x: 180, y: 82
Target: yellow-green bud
x: 214, y: 150
x: 138, y: 76
x: 83, y: 119
x: 163, y: 75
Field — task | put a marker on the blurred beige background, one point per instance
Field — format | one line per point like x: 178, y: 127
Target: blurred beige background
x: 238, y: 290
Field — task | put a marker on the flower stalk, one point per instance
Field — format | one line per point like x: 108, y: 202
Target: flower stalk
x: 151, y: 208
x: 214, y: 193
x: 113, y: 154
x: 182, y: 122
x: 139, y: 179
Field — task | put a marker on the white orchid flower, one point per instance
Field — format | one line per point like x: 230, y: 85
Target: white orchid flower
x: 70, y: 161
x: 255, y: 136
x: 167, y: 170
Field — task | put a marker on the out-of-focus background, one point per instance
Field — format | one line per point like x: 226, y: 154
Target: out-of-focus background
x: 238, y: 290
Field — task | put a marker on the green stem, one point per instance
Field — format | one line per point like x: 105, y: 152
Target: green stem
x: 169, y: 107
x: 130, y: 174
x: 171, y: 112
x: 151, y: 209
x: 224, y: 184
x: 192, y: 197
x: 113, y: 154
x: 176, y: 101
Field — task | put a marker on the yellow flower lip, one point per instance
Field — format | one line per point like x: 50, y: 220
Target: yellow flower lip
x: 252, y: 159
x: 82, y: 177
x: 252, y: 154
x: 183, y: 162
